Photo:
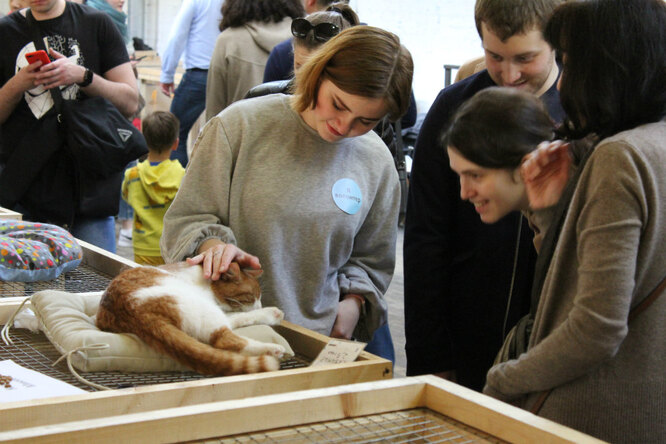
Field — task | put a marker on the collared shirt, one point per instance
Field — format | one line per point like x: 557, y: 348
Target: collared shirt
x: 194, y: 32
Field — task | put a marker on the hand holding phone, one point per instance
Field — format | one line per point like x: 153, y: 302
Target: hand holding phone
x: 38, y: 56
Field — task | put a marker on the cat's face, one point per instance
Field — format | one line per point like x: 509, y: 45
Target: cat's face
x: 238, y: 290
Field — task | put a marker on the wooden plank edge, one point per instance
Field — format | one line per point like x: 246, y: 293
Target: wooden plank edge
x: 495, y: 417
x: 40, y: 412
x: 103, y: 260
x: 7, y: 214
x: 9, y: 305
x: 233, y: 417
x: 314, y: 342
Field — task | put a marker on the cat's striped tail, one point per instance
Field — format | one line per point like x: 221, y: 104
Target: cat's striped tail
x: 204, y: 358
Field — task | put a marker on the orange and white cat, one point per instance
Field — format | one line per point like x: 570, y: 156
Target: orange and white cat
x: 175, y: 310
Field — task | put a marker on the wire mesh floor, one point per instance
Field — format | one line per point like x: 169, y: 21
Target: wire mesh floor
x: 35, y: 351
x: 406, y: 426
x: 80, y: 280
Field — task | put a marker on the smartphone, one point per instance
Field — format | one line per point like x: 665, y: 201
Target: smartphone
x: 37, y: 56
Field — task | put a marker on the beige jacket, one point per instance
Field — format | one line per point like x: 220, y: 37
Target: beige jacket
x: 238, y: 61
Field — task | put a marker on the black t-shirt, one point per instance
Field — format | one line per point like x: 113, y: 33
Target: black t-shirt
x: 80, y: 32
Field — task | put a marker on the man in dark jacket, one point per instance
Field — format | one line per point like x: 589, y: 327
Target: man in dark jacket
x: 467, y: 283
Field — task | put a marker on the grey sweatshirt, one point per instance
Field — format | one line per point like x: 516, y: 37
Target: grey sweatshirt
x: 260, y: 177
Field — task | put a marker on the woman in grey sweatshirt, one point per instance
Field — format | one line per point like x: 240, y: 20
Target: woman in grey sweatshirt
x: 301, y: 184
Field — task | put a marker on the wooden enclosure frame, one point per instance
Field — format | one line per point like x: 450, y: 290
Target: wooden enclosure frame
x: 216, y: 419
x: 9, y: 214
x: 88, y: 406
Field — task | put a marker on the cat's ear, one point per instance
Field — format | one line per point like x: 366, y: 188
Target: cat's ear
x: 253, y: 273
x: 233, y: 273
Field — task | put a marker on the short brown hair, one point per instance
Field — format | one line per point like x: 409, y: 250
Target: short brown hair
x: 507, y: 18
x: 160, y: 129
x: 363, y: 61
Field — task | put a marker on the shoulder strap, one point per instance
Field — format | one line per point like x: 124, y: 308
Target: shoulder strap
x: 645, y: 303
x: 638, y: 309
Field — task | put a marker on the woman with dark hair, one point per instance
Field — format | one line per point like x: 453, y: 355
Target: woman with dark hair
x: 596, y: 354
x: 304, y: 184
x: 317, y: 28
x: 487, y: 140
x: 250, y: 30
x: 309, y: 33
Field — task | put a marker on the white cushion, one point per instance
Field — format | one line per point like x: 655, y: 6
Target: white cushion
x: 68, y: 320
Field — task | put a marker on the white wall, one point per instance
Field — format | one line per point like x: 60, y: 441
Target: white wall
x: 437, y: 32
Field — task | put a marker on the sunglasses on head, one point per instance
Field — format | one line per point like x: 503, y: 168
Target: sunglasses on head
x: 323, y: 32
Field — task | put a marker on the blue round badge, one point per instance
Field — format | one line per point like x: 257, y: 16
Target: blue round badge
x: 347, y: 195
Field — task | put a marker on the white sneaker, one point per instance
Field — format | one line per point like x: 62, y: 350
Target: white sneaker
x: 125, y: 238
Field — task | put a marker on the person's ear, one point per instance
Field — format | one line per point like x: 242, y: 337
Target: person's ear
x: 309, y: 6
x: 174, y: 147
x: 516, y: 176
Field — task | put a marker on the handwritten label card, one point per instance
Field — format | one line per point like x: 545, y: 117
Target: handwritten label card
x: 28, y: 384
x: 339, y: 351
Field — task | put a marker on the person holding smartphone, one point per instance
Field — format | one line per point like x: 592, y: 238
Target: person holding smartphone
x: 88, y: 59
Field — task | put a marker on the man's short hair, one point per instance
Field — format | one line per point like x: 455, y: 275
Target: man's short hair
x: 507, y: 18
x: 160, y: 129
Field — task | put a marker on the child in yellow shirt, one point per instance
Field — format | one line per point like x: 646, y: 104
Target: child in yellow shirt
x: 149, y: 187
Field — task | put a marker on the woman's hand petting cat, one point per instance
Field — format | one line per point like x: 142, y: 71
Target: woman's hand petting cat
x: 545, y: 172
x: 349, y: 311
x: 215, y: 257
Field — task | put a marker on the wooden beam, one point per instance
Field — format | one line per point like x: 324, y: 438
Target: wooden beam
x: 9, y: 214
x: 494, y: 417
x: 42, y: 412
x: 233, y: 417
x: 104, y: 261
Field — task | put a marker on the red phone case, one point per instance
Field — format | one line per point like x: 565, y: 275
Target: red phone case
x: 36, y: 56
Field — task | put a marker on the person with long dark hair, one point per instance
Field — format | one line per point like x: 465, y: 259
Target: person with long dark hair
x: 596, y: 354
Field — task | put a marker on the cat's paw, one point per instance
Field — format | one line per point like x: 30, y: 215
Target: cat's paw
x: 257, y: 348
x: 275, y: 350
x: 272, y: 315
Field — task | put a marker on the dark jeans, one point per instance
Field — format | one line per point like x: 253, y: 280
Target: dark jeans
x: 382, y: 344
x: 100, y: 232
x: 189, y: 101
